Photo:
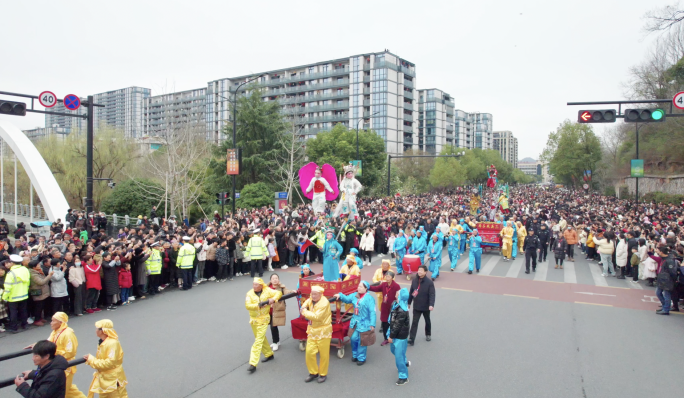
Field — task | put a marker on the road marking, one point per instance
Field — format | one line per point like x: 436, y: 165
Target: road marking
x: 491, y: 263
x: 651, y: 299
x: 493, y: 276
x: 596, y: 275
x: 676, y: 313
x: 602, y: 305
x: 618, y: 287
x: 460, y: 290
x: 569, y: 275
x: 631, y: 285
x: 515, y: 295
x: 540, y: 274
x: 463, y: 266
x: 514, y: 270
x: 596, y: 294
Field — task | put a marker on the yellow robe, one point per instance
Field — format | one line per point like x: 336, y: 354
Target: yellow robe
x: 109, y: 379
x: 67, y: 346
x: 259, y: 318
x: 522, y: 234
x: 507, y: 235
x: 319, y: 334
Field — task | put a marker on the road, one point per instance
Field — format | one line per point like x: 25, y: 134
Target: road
x: 501, y: 333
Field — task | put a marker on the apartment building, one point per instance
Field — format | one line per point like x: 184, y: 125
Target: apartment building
x: 473, y: 130
x: 123, y: 109
x: 507, y: 145
x: 372, y: 91
x: 43, y: 132
x: 435, y: 122
x: 166, y: 113
x: 534, y: 167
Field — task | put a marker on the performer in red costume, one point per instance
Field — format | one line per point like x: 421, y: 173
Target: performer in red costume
x: 491, y: 181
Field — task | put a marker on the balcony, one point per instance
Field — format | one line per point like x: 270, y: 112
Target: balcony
x: 315, y: 108
x: 366, y: 90
x: 408, y: 94
x: 366, y: 79
x: 449, y: 119
x: 323, y: 119
x: 305, y: 87
x: 408, y: 106
x: 408, y: 129
x: 303, y: 77
x: 366, y: 102
x: 408, y: 140
x: 310, y: 98
x: 408, y: 118
x: 408, y: 83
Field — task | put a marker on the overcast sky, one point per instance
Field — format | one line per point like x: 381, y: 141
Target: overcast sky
x: 519, y: 60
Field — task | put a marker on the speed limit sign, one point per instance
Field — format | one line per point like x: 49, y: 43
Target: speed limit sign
x: 48, y: 99
x: 678, y: 100
x: 585, y: 186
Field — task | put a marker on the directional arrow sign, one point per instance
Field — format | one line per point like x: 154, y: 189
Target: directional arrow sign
x: 586, y: 115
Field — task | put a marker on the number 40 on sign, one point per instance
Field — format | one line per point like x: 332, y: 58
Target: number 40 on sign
x: 678, y: 100
x: 48, y: 99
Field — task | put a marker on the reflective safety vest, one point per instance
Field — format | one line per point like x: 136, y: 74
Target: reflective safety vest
x: 17, y: 283
x: 153, y: 263
x: 256, y: 248
x: 186, y: 255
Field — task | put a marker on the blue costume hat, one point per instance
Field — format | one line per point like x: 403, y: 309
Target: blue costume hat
x: 366, y: 284
x: 402, y: 300
x: 353, y: 250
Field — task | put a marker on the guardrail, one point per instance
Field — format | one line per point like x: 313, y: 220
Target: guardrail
x: 24, y: 210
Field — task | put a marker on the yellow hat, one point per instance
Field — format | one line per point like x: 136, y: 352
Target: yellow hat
x: 62, y: 317
x: 386, y: 262
x: 352, y: 257
x: 317, y: 289
x: 260, y: 281
x: 107, y: 327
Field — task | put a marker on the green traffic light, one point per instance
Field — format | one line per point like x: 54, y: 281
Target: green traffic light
x: 657, y: 114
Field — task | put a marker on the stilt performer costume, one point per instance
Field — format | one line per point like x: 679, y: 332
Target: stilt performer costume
x: 349, y: 188
x: 492, y: 180
x: 318, y: 184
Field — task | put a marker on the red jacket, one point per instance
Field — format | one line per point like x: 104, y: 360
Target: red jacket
x: 389, y: 294
x: 125, y: 279
x: 92, y: 272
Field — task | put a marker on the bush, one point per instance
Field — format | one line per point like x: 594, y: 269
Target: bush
x: 662, y: 197
x: 132, y: 197
x: 255, y: 195
x: 609, y: 191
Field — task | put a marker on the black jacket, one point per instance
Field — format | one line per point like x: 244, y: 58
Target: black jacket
x: 668, y: 274
x: 543, y: 236
x: 48, y: 382
x: 425, y: 297
x: 400, y: 325
x: 532, y: 243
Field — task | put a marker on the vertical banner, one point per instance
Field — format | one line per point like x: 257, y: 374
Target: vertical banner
x: 358, y: 164
x: 637, y: 169
x: 233, y: 162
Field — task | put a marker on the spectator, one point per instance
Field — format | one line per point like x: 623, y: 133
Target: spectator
x: 49, y: 380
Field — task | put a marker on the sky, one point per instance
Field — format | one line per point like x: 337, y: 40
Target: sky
x: 521, y: 61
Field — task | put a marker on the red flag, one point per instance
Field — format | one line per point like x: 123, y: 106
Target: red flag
x: 304, y: 245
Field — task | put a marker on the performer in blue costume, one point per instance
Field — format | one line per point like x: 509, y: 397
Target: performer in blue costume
x: 419, y: 246
x: 331, y: 255
x: 515, y: 241
x: 359, y: 262
x: 475, y: 252
x: 454, y: 248
x: 440, y: 235
x: 435, y: 255
x: 363, y: 319
x: 464, y: 234
x: 397, y: 334
x: 400, y: 250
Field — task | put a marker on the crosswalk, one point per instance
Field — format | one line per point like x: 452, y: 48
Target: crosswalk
x: 579, y: 272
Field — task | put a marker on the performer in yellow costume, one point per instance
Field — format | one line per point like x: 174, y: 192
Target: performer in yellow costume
x: 522, y: 233
x: 507, y: 235
x: 109, y: 379
x: 379, y: 276
x: 316, y: 309
x: 259, y: 319
x: 349, y: 269
x: 503, y: 202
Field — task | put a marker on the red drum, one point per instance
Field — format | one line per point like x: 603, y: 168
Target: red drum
x: 410, y: 263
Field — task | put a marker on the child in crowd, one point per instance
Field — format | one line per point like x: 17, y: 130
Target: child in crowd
x: 125, y: 283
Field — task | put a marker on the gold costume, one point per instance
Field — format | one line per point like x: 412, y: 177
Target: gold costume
x: 522, y: 233
x: 507, y: 247
x: 67, y: 345
x: 259, y: 318
x: 319, y: 334
x: 349, y: 271
x: 109, y: 379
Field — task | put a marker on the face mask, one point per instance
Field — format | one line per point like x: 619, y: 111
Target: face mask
x: 78, y: 263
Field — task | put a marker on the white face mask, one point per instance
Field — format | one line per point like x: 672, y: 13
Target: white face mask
x: 78, y: 263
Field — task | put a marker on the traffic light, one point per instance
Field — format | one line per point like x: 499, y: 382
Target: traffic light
x: 222, y: 198
x: 644, y: 115
x: 596, y: 116
x: 12, y: 108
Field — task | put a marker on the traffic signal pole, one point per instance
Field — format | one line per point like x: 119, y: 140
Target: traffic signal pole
x: 89, y: 155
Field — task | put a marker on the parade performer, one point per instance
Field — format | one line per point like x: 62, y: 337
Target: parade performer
x: 388, y: 289
x: 259, y: 319
x: 331, y: 255
x: 474, y: 202
x: 435, y: 255
x: 514, y: 252
x: 316, y: 309
x: 379, y: 276
x: 419, y: 246
x: 400, y: 244
x: 475, y: 252
x: 507, y: 240
x: 503, y: 202
x: 359, y: 261
x: 522, y: 233
x: 492, y: 180
x: 64, y: 338
x: 398, y: 333
x: 453, y: 247
x: 349, y: 188
x: 465, y: 230
x: 350, y: 268
x: 109, y: 379
x: 363, y: 319
x: 492, y: 209
x: 318, y: 184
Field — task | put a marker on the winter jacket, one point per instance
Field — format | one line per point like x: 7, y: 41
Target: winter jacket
x: 48, y: 382
x: 604, y: 246
x: 400, y: 325
x: 570, y: 236
x: 278, y: 309
x: 367, y: 242
x: 222, y: 255
x: 111, y: 276
x: 92, y: 273
x: 668, y: 274
x: 76, y: 276
x: 559, y: 248
x: 125, y: 279
x: 425, y: 297
x: 389, y: 292
x: 58, y: 287
x: 201, y: 252
x: 39, y: 282
x: 621, y: 254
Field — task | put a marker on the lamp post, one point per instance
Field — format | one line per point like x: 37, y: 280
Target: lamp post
x: 357, y: 134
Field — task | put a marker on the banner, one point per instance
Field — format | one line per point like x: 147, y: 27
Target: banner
x: 359, y: 164
x: 637, y: 169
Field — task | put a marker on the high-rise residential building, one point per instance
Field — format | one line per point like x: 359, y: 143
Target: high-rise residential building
x: 435, y: 121
x: 374, y: 91
x: 168, y: 112
x: 43, y: 132
x: 473, y: 130
x: 123, y: 109
x: 534, y: 167
x: 507, y: 145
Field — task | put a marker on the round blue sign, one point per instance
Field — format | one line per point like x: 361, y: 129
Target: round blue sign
x: 72, y: 102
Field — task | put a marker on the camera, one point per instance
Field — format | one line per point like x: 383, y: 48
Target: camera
x: 111, y: 184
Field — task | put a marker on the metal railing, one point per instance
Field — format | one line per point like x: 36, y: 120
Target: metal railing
x: 24, y: 210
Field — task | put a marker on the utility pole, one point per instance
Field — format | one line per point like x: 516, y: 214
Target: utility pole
x: 89, y: 155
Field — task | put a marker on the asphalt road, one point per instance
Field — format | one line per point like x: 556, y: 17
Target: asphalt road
x: 485, y: 344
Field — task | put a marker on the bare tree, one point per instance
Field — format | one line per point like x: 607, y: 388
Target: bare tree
x: 663, y: 18
x: 290, y: 159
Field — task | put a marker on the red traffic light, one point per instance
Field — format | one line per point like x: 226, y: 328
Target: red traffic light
x: 585, y: 116
x: 596, y: 116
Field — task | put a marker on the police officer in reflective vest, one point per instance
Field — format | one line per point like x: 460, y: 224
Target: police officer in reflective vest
x: 256, y: 250
x: 186, y: 256
x: 16, y: 292
x: 153, y: 265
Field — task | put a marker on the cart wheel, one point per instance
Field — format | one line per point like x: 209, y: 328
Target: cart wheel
x: 340, y: 352
x: 408, y: 277
x: 302, y: 346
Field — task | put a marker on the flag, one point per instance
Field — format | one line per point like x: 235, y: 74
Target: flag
x: 304, y: 245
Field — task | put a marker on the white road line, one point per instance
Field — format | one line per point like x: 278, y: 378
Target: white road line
x: 542, y: 269
x: 491, y: 263
x: 596, y: 294
x: 462, y: 266
x: 515, y: 267
x: 596, y: 274
x: 631, y: 285
x: 569, y: 275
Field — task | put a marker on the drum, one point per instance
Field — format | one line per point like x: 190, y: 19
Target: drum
x: 410, y: 263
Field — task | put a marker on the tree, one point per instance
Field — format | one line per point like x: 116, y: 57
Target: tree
x: 663, y: 18
x: 475, y: 169
x: 447, y: 173
x: 418, y: 169
x: 291, y: 158
x: 255, y: 195
x: 128, y: 198
x: 338, y: 146
x: 570, y: 150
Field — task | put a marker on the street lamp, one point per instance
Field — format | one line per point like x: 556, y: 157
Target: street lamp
x: 357, y: 134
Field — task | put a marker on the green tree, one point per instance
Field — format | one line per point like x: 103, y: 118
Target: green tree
x: 255, y: 195
x: 570, y: 150
x: 447, y: 172
x: 130, y: 198
x: 418, y: 169
x: 338, y: 146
